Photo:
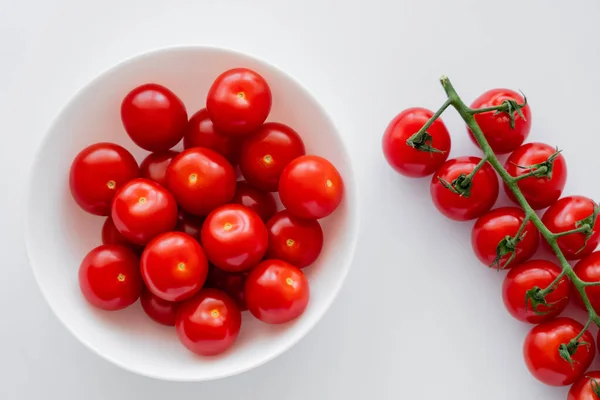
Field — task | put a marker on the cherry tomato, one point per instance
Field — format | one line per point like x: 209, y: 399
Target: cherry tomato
x: 157, y: 309
x: 209, y: 323
x: 542, y: 357
x: 174, y: 266
x: 410, y: 160
x: 276, y: 292
x: 190, y: 224
x: 109, y: 277
x: 142, y: 209
x: 496, y: 127
x: 585, y: 388
x: 231, y: 283
x: 111, y: 235
x: 153, y: 117
x: 239, y: 101
x: 294, y: 240
x: 563, y: 216
x: 266, y: 153
x: 154, y: 166
x: 201, y: 180
x: 311, y: 187
x: 530, y: 274
x: 539, y: 192
x: 234, y: 238
x: 261, y: 202
x: 96, y: 174
x: 200, y: 132
x: 588, y: 270
x: 500, y: 225
x: 483, y: 192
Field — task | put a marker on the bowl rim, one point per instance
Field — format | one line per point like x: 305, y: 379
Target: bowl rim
x: 297, y: 336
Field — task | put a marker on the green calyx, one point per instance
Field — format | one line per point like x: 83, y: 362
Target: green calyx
x: 512, y: 108
x: 422, y: 141
x: 587, y: 225
x: 460, y: 186
x: 567, y: 351
x: 508, y: 245
x: 595, y: 386
x: 540, y: 170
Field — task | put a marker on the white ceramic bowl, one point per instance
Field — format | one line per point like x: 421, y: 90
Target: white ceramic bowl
x: 58, y: 234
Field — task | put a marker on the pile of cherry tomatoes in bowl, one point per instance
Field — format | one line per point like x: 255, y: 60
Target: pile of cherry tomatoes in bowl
x: 182, y: 234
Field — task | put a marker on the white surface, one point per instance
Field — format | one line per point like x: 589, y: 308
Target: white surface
x: 418, y: 317
x: 129, y: 338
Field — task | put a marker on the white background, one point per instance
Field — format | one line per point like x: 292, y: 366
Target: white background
x: 418, y: 317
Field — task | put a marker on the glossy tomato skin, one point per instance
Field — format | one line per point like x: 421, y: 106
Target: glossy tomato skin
x: 200, y: 132
x: 209, y: 323
x: 583, y: 389
x: 109, y: 277
x: 542, y: 358
x: 190, y: 224
x: 496, y: 128
x: 97, y: 173
x: 407, y: 160
x: 294, y: 240
x: 261, y: 202
x: 142, y: 209
x: 239, y: 101
x: 157, y: 309
x: 539, y: 192
x: 111, y: 235
x: 153, y: 117
x: 234, y: 238
x: 276, y: 292
x: 588, y: 270
x: 154, y: 166
x: 174, y: 266
x: 562, y: 216
x: 491, y: 228
x: 201, y: 180
x: 311, y: 187
x: 484, y: 189
x: 232, y: 283
x: 267, y: 152
x: 532, y: 273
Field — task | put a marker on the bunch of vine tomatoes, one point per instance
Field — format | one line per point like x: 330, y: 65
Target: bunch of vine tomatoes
x: 556, y: 351
x: 182, y: 234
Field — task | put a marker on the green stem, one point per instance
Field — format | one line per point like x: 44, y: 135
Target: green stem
x: 581, y: 229
x: 585, y: 328
x: 541, y: 170
x: 477, y: 168
x: 431, y: 120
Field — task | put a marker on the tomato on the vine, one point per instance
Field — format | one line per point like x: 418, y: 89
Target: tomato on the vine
x: 425, y: 154
x: 259, y: 201
x: 295, y: 240
x: 499, y: 227
x: 478, y: 196
x: 542, y: 352
x: 153, y: 117
x: 232, y: 283
x: 496, y: 127
x: 588, y: 270
x: 154, y: 166
x: 569, y: 213
x: 97, y: 173
x: 528, y: 276
x: 159, y: 310
x: 200, y: 132
x: 586, y: 388
x: 540, y: 192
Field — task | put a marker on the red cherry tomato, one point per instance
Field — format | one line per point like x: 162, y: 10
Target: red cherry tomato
x: 484, y: 189
x: 234, y: 238
x: 497, y: 225
x: 311, y: 187
x: 142, y: 209
x: 201, y: 180
x: 154, y: 166
x: 530, y: 274
x: 200, y: 132
x: 409, y: 160
x: 276, y: 292
x: 261, y: 202
x: 190, y: 224
x: 266, y: 153
x: 209, y: 323
x: 157, y: 309
x: 153, y: 117
x: 539, y: 192
x: 109, y: 277
x: 294, y: 240
x: 496, y: 127
x: 231, y: 283
x: 588, y: 270
x: 542, y: 357
x: 174, y: 266
x: 585, y: 388
x: 239, y: 101
x: 97, y: 173
x: 111, y: 235
x: 564, y: 216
